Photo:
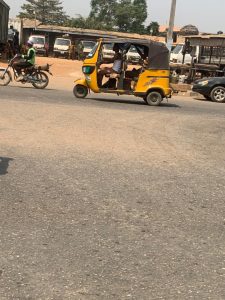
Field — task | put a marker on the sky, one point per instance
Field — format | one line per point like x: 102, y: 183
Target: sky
x: 207, y: 15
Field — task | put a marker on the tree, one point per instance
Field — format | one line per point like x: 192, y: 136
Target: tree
x: 153, y: 28
x: 139, y: 16
x: 130, y: 15
x: 121, y: 15
x: 103, y: 12
x: 45, y: 11
x: 85, y: 23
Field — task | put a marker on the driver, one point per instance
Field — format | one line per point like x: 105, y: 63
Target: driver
x: 26, y: 61
x: 115, y: 69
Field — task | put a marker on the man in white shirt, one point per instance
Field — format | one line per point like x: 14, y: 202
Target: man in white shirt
x: 115, y: 69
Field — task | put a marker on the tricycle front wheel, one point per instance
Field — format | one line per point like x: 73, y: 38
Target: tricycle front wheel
x: 80, y: 91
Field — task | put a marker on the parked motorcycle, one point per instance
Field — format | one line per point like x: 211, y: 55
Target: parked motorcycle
x: 36, y: 75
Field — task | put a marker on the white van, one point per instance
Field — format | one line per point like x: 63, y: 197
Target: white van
x: 108, y: 52
x: 40, y: 44
x: 176, y: 56
x: 87, y: 47
x: 61, y: 47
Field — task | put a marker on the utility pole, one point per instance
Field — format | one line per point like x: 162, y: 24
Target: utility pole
x: 171, y: 25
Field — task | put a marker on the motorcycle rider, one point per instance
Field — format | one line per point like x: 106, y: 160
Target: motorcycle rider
x: 26, y: 61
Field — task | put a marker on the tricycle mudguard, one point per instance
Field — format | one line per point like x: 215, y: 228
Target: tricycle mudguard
x: 81, y: 82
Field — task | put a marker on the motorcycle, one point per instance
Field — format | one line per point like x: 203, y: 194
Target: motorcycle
x: 36, y: 75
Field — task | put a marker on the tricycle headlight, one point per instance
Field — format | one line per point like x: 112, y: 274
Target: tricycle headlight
x: 88, y: 69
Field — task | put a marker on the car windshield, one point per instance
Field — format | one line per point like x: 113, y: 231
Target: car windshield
x: 88, y: 44
x: 62, y: 42
x: 177, y: 49
x: 108, y: 46
x: 38, y: 40
x: 132, y: 49
x: 93, y: 51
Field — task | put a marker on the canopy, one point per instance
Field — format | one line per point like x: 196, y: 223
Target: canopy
x: 157, y: 53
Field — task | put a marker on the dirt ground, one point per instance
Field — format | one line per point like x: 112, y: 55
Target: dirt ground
x: 108, y: 198
x: 64, y: 71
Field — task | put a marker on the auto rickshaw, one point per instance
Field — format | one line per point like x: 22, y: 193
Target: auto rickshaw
x: 150, y: 81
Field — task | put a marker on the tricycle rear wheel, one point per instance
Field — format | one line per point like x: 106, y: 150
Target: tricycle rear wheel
x: 153, y: 98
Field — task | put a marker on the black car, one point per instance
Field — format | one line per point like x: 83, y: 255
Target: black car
x: 212, y: 88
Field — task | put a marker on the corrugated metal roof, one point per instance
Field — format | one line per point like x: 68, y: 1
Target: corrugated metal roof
x: 164, y: 28
x: 206, y: 36
x: 80, y: 31
x: 27, y: 23
x: 212, y: 40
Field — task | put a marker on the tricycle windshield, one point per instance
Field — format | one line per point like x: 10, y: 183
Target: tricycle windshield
x: 93, y: 51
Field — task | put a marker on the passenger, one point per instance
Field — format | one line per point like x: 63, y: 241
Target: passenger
x: 115, y: 69
x: 134, y: 73
x: 26, y: 61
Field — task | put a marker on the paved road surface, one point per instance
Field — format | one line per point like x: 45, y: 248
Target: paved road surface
x: 107, y: 198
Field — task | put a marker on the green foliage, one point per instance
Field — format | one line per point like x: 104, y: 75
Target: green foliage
x: 114, y: 15
x: 103, y: 12
x: 85, y: 23
x: 45, y: 11
x: 153, y: 28
x: 121, y: 15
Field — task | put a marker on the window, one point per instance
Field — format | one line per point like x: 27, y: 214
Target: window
x: 62, y: 42
x: 93, y: 51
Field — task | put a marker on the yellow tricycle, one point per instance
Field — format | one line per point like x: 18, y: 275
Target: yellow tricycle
x: 126, y: 67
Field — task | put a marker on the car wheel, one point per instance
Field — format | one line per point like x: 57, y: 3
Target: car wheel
x: 218, y: 94
x: 80, y: 91
x: 154, y: 98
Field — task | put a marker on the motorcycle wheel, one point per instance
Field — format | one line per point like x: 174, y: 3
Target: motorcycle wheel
x: 42, y: 80
x: 4, y: 80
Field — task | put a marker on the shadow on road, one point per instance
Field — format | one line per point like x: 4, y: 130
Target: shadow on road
x: 4, y: 164
x: 29, y: 87
x: 133, y: 102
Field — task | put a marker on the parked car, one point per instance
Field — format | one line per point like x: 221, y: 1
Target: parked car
x: 176, y: 55
x: 61, y: 47
x: 87, y: 47
x: 212, y: 88
x: 40, y: 44
x: 108, y: 52
x: 132, y: 56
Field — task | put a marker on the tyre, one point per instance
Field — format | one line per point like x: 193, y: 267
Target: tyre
x: 144, y: 98
x: 218, y: 94
x: 4, y: 80
x: 80, y: 91
x: 42, y: 80
x: 154, y: 98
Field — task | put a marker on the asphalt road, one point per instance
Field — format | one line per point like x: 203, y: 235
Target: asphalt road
x: 108, y: 198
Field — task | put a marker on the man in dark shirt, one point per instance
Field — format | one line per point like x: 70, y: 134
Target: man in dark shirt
x: 26, y: 61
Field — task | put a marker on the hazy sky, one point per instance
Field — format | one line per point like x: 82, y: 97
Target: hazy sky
x: 207, y: 15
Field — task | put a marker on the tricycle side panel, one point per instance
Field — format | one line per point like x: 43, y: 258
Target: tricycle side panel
x: 91, y: 79
x: 153, y: 79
